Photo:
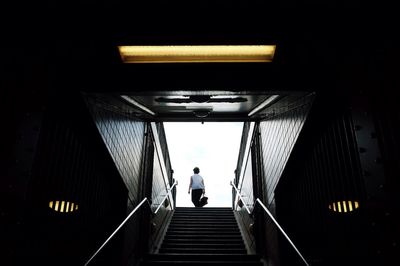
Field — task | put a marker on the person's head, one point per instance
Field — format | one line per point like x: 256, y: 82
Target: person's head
x: 196, y: 170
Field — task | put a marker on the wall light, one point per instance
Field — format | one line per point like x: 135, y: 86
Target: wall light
x: 344, y: 206
x: 63, y: 206
x: 197, y: 53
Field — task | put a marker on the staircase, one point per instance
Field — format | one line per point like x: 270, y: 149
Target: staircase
x: 202, y: 236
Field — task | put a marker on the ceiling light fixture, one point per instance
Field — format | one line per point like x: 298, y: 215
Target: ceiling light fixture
x: 197, y: 53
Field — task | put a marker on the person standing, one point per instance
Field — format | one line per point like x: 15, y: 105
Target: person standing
x: 197, y: 186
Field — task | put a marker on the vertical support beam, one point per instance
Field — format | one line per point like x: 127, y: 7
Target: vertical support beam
x: 162, y: 161
x: 247, y: 154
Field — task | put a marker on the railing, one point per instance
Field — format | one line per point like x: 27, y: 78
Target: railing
x: 166, y: 196
x: 128, y: 217
x: 271, y: 216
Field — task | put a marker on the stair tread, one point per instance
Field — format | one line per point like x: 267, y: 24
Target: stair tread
x: 199, y: 238
x: 203, y: 245
x: 210, y: 250
x: 200, y: 218
x: 225, y: 228
x: 202, y: 236
x: 204, y: 214
x: 207, y: 240
x: 215, y: 242
x: 205, y: 262
x: 207, y: 232
x: 204, y: 221
x: 205, y: 225
x: 210, y: 256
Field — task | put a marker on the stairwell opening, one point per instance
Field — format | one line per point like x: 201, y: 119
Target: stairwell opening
x: 275, y: 120
x: 211, y: 146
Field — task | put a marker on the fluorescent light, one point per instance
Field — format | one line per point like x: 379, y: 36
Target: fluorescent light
x: 197, y: 53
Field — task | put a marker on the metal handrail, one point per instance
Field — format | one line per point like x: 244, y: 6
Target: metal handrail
x: 166, y: 196
x: 241, y: 197
x: 127, y: 218
x: 273, y: 219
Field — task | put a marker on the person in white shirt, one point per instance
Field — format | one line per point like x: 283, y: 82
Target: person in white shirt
x: 197, y: 186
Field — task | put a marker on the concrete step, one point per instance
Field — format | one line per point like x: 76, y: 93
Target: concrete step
x: 200, y: 263
x: 204, y: 245
x: 233, y: 226
x: 202, y: 232
x: 203, y: 257
x: 202, y: 236
x: 191, y: 250
x: 195, y: 221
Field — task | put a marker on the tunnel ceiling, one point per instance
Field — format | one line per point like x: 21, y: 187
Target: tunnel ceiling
x: 319, y: 47
x: 201, y: 105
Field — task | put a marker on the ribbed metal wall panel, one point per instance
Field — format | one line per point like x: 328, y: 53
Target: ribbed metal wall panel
x: 278, y: 137
x: 124, y: 138
x: 274, y: 140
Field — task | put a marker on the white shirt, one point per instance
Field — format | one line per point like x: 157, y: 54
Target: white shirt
x: 197, y: 182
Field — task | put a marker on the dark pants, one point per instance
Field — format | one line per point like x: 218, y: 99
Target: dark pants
x: 196, y: 195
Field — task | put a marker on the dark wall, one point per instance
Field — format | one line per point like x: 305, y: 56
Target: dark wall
x: 271, y: 147
x: 132, y: 147
x: 70, y: 165
x: 124, y: 137
x: 381, y: 169
x: 23, y: 84
x: 278, y: 136
x: 346, y: 152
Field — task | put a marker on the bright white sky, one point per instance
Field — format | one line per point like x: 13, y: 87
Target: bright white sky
x: 214, y: 148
